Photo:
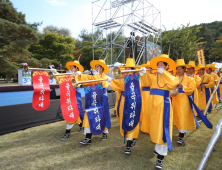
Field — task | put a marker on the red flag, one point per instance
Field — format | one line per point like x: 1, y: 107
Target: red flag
x: 68, y: 101
x: 41, y: 96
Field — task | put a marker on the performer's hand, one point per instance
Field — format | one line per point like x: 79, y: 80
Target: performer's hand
x: 78, y: 73
x: 53, y: 71
x: 109, y: 79
x: 203, y: 86
x: 199, y: 87
x: 180, y: 85
x: 160, y: 70
x: 95, y: 72
x: 143, y: 71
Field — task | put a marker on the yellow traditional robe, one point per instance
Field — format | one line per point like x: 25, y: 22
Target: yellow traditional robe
x: 182, y: 114
x: 206, y: 78
x: 118, y: 85
x: 216, y: 79
x: 166, y: 82
x: 92, y: 77
x: 144, y: 117
x: 78, y: 120
x: 220, y: 86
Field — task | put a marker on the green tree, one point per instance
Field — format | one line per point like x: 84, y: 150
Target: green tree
x: 87, y: 54
x: 63, y: 31
x: 183, y: 42
x: 216, y: 51
x: 54, y: 47
x: 15, y: 37
x: 209, y: 32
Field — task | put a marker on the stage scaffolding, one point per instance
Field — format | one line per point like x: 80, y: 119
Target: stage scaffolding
x: 120, y: 17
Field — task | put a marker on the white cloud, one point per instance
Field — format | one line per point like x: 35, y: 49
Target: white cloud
x: 57, y: 2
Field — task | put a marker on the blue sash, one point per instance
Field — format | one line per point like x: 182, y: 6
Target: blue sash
x: 166, y: 116
x: 146, y: 89
x: 207, y: 97
x: 79, y: 103
x: 200, y: 114
x: 94, y: 106
x: 218, y: 91
x: 106, y: 108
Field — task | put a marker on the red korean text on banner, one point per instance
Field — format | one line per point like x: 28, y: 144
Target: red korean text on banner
x: 41, y: 96
x: 68, y: 101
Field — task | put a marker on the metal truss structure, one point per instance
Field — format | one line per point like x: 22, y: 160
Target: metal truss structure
x: 119, y: 18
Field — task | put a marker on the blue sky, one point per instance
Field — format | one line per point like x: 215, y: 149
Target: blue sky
x: 76, y: 14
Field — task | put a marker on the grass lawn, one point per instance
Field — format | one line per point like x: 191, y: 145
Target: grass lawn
x: 41, y: 148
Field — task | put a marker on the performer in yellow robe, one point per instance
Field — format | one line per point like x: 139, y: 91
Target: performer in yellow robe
x: 160, y: 110
x: 118, y: 85
x: 117, y: 104
x: 100, y: 69
x: 191, y: 67
x: 209, y: 70
x: 73, y: 67
x: 207, y: 81
x: 145, y: 93
x: 183, y: 117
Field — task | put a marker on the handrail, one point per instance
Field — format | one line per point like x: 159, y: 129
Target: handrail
x: 211, y: 145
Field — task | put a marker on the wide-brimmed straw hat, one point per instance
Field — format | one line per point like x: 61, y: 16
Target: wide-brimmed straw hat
x: 100, y: 62
x: 192, y: 64
x: 180, y: 63
x: 212, y: 66
x: 75, y: 63
x: 163, y: 58
x: 146, y: 65
x: 130, y: 62
x: 200, y: 66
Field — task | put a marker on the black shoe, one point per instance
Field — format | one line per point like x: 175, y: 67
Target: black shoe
x: 155, y: 153
x: 134, y: 143
x: 128, y: 150
x: 180, y: 141
x: 104, y: 137
x: 159, y: 164
x: 128, y: 147
x: 87, y: 141
x: 114, y: 113
x: 66, y: 135
x: 81, y: 129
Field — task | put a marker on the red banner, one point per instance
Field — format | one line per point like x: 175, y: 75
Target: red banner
x: 41, y: 96
x: 68, y: 101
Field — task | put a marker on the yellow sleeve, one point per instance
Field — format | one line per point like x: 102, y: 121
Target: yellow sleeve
x: 190, y: 87
x: 117, y: 84
x: 170, y: 80
x: 147, y: 79
x: 105, y: 83
x: 197, y: 80
x: 210, y: 82
x: 144, y: 80
x: 216, y: 77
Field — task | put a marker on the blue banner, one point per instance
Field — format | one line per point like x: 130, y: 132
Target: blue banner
x: 79, y: 103
x: 132, y: 105
x: 94, y: 108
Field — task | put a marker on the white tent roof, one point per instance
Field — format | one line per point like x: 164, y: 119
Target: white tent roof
x: 218, y: 65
